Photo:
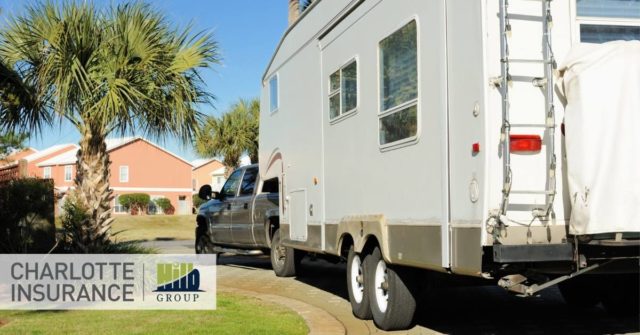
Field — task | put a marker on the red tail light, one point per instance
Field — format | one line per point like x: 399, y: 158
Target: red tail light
x: 525, y: 143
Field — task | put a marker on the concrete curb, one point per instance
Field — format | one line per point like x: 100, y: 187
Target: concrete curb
x: 319, y: 321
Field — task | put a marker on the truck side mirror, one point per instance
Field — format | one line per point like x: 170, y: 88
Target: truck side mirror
x: 216, y: 195
x: 205, y: 192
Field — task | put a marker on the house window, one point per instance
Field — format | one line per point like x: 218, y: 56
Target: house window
x: 46, y: 174
x: 398, y: 118
x: 193, y: 184
x: 117, y: 207
x: 343, y: 90
x: 68, y: 173
x: 602, y: 21
x: 124, y: 174
x: 273, y: 94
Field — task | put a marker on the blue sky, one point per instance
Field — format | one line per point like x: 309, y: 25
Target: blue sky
x: 247, y: 32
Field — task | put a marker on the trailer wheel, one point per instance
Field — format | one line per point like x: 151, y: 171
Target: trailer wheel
x: 283, y: 260
x: 356, y: 280
x: 391, y: 291
x: 582, y: 291
x: 622, y: 295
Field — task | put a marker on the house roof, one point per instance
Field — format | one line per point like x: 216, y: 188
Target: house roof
x: 66, y: 158
x: 69, y: 157
x: 198, y: 163
x: 48, y: 151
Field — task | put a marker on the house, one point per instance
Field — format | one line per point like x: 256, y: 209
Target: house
x: 18, y: 155
x: 30, y: 159
x: 137, y: 166
x: 207, y: 171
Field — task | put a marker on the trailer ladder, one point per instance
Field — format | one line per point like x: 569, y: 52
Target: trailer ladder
x: 545, y: 84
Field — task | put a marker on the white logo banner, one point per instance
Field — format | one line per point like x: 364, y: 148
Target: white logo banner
x: 114, y: 282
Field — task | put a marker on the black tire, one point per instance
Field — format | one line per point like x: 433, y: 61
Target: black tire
x: 283, y: 259
x: 356, y: 285
x: 393, y: 308
x: 622, y: 294
x: 203, y: 244
x: 582, y: 291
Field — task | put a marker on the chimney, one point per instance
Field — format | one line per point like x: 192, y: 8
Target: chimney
x: 294, y: 11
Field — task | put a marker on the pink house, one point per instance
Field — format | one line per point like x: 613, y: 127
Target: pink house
x: 208, y: 171
x: 137, y: 166
x: 33, y: 157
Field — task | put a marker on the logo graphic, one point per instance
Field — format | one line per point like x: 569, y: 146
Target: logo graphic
x: 177, y: 277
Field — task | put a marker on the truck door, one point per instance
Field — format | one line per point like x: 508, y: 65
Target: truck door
x: 221, y: 219
x: 242, y: 209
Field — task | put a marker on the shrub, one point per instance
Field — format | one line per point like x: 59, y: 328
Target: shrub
x: 74, y: 217
x: 197, y: 202
x: 135, y: 202
x: 74, y: 220
x: 27, y: 216
x: 165, y: 205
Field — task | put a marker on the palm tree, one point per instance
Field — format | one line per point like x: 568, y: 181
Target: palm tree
x: 120, y: 69
x: 232, y: 135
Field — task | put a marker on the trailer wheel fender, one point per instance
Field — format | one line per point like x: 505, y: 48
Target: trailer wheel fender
x: 345, y: 242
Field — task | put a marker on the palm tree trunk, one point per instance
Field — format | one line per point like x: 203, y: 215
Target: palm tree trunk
x: 92, y: 182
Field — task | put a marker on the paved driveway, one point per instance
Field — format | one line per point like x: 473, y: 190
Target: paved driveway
x: 487, y: 310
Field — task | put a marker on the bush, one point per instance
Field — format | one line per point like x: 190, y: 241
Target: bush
x: 197, y: 202
x: 165, y: 205
x: 27, y: 216
x: 74, y: 219
x: 135, y: 202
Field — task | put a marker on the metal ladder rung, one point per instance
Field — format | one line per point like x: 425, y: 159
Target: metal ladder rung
x: 524, y: 125
x: 524, y: 207
x: 536, y: 61
x: 534, y: 192
x: 535, y: 81
x: 522, y: 17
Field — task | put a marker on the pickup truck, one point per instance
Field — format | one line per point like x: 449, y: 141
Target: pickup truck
x: 242, y: 216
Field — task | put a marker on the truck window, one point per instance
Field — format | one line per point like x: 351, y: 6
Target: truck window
x: 231, y: 186
x: 249, y: 181
x: 399, y: 85
x: 270, y: 186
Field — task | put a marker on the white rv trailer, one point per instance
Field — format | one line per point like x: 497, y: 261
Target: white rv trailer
x: 386, y: 123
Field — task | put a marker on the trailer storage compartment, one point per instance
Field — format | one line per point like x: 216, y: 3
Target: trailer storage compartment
x: 601, y: 88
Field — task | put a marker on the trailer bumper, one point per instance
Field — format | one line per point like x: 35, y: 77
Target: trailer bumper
x: 529, y: 253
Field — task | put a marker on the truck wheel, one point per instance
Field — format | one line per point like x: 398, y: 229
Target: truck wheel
x: 356, y: 279
x: 582, y: 291
x: 283, y: 260
x: 622, y: 295
x: 203, y: 245
x: 391, y: 291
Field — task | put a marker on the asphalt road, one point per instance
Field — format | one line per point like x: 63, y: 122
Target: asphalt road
x: 454, y: 310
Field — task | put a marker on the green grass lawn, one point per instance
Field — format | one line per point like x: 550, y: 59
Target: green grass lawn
x: 235, y: 315
x: 151, y: 227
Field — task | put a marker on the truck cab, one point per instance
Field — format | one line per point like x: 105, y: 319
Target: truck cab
x: 241, y: 216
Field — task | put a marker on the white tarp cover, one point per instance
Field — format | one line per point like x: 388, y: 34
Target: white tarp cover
x: 601, y: 88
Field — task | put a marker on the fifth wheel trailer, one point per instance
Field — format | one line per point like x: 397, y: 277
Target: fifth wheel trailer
x: 413, y: 135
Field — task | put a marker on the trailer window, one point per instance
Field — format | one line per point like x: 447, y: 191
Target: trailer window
x: 602, y: 21
x: 343, y: 90
x: 399, y: 85
x: 273, y: 94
